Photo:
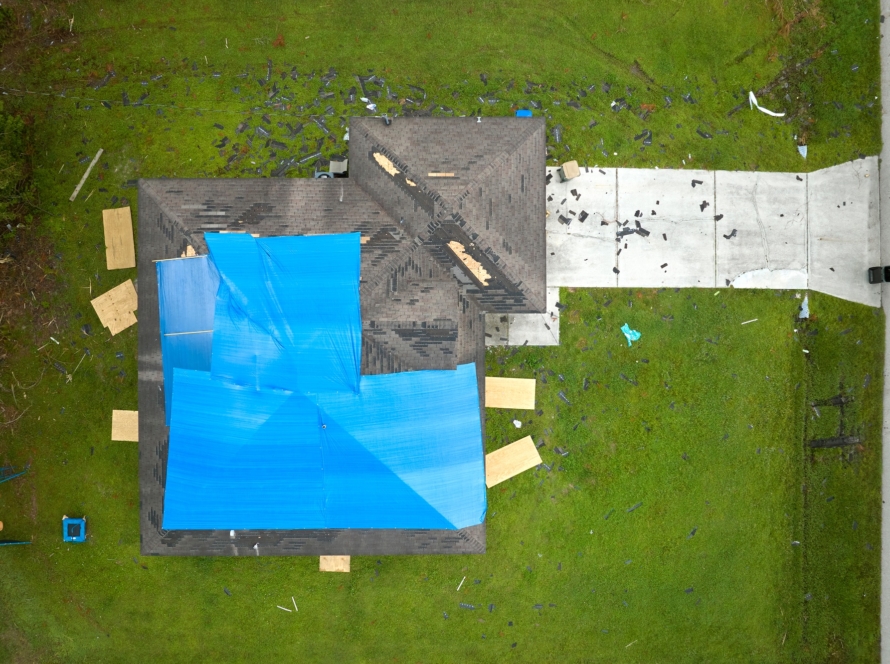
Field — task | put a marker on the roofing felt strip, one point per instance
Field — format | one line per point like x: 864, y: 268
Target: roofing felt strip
x: 510, y: 461
x: 125, y: 425
x: 509, y: 393
x: 120, y: 252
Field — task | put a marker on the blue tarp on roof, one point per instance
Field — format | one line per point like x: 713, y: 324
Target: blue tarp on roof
x: 334, y: 449
x: 403, y: 452
x: 186, y: 290
x: 287, y: 312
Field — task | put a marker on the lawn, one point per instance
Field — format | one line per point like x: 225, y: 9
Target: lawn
x: 704, y: 421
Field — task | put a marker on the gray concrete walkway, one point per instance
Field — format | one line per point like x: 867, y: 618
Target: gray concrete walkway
x: 707, y: 229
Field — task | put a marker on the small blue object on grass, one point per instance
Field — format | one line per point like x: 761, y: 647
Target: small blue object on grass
x: 632, y: 335
x: 74, y: 530
x: 523, y: 113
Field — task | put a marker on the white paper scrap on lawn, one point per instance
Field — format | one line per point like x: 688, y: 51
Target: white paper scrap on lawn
x: 752, y: 103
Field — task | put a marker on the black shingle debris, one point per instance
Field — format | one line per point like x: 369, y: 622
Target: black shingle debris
x: 731, y: 235
x: 703, y: 205
x: 703, y: 134
x: 639, y: 504
x: 562, y: 395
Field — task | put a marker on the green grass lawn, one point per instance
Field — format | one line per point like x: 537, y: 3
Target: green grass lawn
x: 679, y: 433
x: 703, y: 421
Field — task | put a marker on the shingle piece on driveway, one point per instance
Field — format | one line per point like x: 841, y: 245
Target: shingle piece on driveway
x: 685, y: 213
x: 769, y: 213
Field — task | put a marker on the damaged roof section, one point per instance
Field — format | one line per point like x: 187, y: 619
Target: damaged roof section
x: 449, y: 180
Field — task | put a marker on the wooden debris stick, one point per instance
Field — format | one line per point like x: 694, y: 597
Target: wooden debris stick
x: 120, y: 252
x: 333, y: 564
x: 510, y: 393
x: 125, y: 425
x: 86, y: 175
x: 510, y: 460
x: 115, y: 308
x: 440, y: 175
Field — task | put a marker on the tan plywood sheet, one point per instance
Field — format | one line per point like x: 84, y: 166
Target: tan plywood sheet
x: 474, y: 266
x: 115, y: 308
x: 120, y: 251
x: 333, y: 564
x: 510, y: 393
x: 125, y: 425
x: 510, y: 460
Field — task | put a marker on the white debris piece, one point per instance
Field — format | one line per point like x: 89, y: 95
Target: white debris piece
x: 752, y: 103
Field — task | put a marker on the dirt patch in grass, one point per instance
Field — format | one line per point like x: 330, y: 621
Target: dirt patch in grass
x: 28, y: 282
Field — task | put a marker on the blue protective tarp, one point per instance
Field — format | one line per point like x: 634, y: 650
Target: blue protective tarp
x: 403, y: 452
x: 276, y: 428
x: 287, y: 312
x: 186, y: 295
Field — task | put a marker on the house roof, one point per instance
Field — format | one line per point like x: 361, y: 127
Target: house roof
x: 436, y: 254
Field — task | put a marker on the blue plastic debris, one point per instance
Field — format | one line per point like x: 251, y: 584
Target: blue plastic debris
x: 632, y: 335
x: 523, y: 113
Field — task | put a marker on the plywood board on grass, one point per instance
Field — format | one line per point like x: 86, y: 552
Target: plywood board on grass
x: 125, y: 425
x: 120, y: 251
x: 115, y: 308
x: 510, y: 460
x: 333, y: 564
x: 509, y: 393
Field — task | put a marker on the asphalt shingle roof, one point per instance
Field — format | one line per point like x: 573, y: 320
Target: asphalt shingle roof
x: 437, y: 253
